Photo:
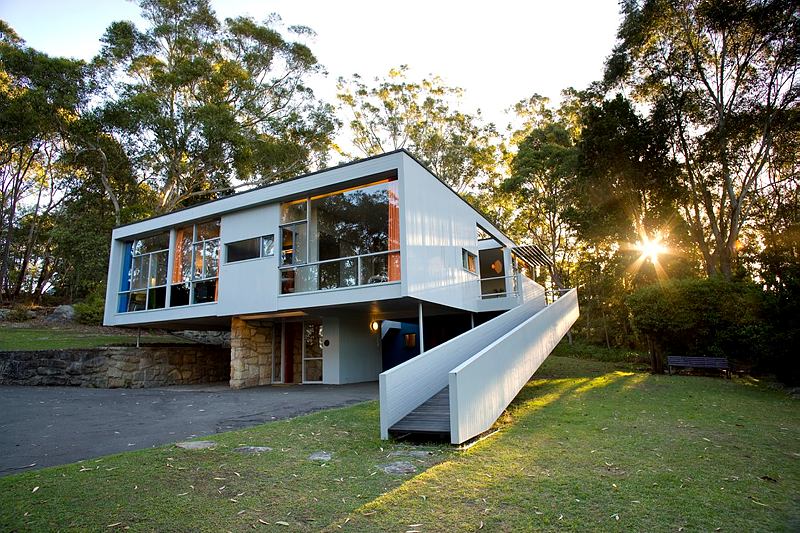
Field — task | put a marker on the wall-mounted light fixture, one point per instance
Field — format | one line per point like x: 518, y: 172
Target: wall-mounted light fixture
x: 374, y: 326
x: 411, y: 340
x: 497, y: 266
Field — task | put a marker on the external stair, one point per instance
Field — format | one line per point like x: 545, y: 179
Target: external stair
x: 459, y: 388
x: 430, y: 418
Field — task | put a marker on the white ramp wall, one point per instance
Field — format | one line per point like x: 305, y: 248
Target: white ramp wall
x: 483, y: 386
x: 410, y: 384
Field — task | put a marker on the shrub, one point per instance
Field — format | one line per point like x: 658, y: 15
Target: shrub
x: 703, y: 317
x: 19, y: 313
x: 91, y: 310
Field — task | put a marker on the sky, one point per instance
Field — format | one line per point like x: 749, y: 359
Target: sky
x: 499, y: 52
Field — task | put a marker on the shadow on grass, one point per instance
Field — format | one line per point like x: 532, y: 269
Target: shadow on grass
x: 477, y: 473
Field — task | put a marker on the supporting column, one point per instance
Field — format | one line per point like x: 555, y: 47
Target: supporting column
x: 472, y: 321
x: 251, y: 353
x: 421, y: 332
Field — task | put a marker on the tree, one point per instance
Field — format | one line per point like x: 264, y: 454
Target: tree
x: 40, y: 99
x: 397, y: 113
x: 199, y: 103
x: 723, y: 75
x: 625, y: 188
x: 542, y: 171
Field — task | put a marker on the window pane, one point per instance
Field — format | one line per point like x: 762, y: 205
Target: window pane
x: 336, y: 274
x: 468, y: 260
x: 313, y: 339
x: 394, y: 266
x: 197, y: 270
x: 137, y: 301
x: 313, y: 370
x: 179, y: 295
x: 182, y: 270
x: 207, y: 230
x: 267, y: 245
x: 151, y: 244
x: 293, y: 244
x: 354, y: 222
x: 301, y: 243
x: 211, y: 259
x: 157, y: 298
x: 158, y: 269
x: 243, y: 250
x: 294, y: 211
x: 287, y: 246
x: 374, y: 269
x: 139, y: 272
x: 287, y: 281
x: 205, y: 291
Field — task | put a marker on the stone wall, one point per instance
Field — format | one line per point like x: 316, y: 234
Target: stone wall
x: 148, y: 366
x: 251, y: 353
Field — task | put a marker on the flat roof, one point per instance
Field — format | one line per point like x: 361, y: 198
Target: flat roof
x: 308, y: 175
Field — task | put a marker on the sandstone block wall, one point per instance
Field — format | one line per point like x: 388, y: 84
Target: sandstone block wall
x: 147, y: 366
x: 251, y: 353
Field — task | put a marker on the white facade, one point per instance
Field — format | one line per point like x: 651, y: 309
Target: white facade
x: 436, y: 229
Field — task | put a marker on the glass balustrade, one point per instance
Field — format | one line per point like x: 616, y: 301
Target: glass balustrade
x: 381, y: 267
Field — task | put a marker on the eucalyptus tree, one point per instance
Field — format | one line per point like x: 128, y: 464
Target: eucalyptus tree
x: 41, y: 98
x: 542, y: 171
x: 723, y: 73
x: 200, y: 103
x: 395, y: 112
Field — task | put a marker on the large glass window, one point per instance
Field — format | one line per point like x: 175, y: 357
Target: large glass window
x: 144, y: 282
x: 341, y: 239
x: 196, y: 267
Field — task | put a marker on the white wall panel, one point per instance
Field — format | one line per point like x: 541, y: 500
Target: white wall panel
x: 249, y: 286
x: 436, y: 225
x: 483, y: 386
x: 360, y: 349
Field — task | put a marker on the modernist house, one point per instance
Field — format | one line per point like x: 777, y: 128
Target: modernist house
x: 334, y: 277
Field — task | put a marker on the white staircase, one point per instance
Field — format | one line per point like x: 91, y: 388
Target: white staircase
x: 463, y: 385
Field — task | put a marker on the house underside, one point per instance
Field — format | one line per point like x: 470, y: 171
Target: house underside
x: 348, y: 343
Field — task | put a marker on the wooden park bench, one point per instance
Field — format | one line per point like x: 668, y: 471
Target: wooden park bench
x: 699, y: 362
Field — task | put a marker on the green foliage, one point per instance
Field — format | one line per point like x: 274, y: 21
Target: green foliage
x: 625, y: 184
x: 214, y: 100
x: 90, y: 311
x: 722, y: 78
x: 704, y: 317
x: 541, y: 174
x: 397, y: 113
x: 582, y: 350
x: 18, y: 313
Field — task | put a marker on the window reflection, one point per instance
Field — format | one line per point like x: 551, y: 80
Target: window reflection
x: 345, y: 239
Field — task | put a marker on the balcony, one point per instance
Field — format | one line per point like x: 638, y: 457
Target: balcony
x: 345, y: 272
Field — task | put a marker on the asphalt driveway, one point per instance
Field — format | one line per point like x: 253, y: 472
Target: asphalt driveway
x: 46, y: 426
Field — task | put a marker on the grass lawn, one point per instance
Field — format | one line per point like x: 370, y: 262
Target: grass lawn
x: 584, y: 446
x: 56, y: 338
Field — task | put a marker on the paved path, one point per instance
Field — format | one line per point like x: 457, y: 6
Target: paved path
x: 46, y: 426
